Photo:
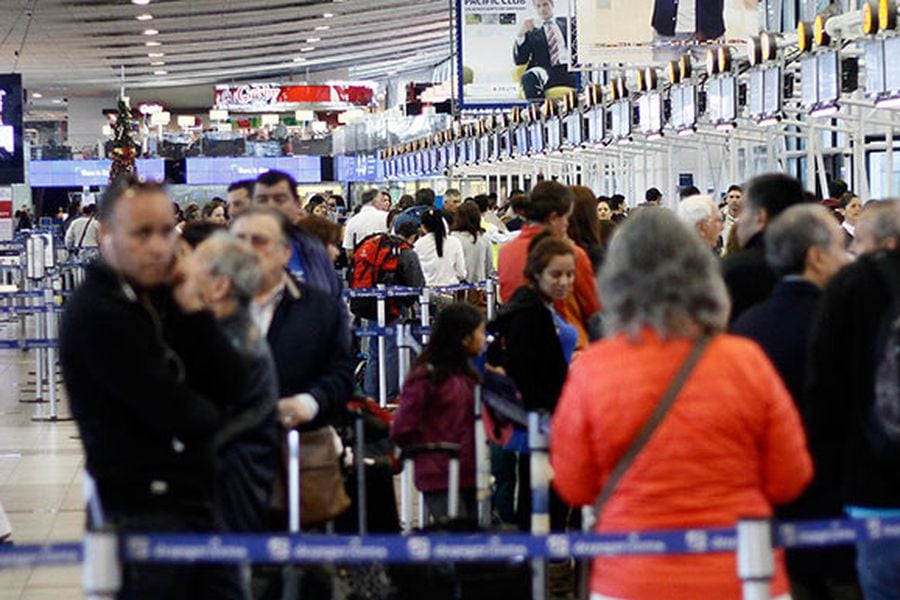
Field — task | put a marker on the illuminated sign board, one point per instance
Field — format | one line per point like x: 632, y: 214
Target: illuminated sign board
x: 12, y: 155
x: 80, y: 173
x: 224, y: 171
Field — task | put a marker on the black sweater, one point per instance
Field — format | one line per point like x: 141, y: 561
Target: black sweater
x: 840, y: 385
x: 528, y: 348
x: 147, y: 386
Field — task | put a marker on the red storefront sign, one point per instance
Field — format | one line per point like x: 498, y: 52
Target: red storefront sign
x: 274, y: 97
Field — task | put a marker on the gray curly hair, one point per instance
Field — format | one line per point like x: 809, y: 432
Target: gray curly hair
x: 659, y: 274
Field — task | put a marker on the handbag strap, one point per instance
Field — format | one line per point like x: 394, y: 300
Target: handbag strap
x: 652, y: 423
x: 84, y: 231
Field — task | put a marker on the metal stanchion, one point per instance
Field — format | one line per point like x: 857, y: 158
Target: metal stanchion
x: 404, y: 351
x: 755, y: 558
x: 35, y: 250
x: 490, y: 292
x: 381, y: 303
x: 51, y: 333
x: 424, y: 300
x: 540, y: 499
x: 482, y: 466
x: 101, y: 572
x: 360, y: 459
x: 407, y: 483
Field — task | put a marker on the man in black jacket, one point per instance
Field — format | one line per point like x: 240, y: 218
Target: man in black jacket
x: 306, y: 328
x: 543, y: 48
x: 223, y: 273
x: 846, y: 345
x: 148, y: 378
x: 804, y: 246
x: 747, y: 275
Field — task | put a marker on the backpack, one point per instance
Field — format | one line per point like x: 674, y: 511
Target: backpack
x: 375, y: 261
x: 883, y: 421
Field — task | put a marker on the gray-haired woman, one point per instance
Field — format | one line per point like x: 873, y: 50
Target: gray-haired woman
x: 731, y: 445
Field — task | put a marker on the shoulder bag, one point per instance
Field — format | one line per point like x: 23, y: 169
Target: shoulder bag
x: 659, y: 414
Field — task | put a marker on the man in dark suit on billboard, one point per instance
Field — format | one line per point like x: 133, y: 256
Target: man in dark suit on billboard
x: 689, y: 19
x: 543, y: 47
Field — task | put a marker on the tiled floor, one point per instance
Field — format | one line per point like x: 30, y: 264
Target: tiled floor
x: 40, y: 480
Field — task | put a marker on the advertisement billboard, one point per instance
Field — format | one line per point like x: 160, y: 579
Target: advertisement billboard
x: 12, y: 155
x: 513, y: 51
x: 647, y: 32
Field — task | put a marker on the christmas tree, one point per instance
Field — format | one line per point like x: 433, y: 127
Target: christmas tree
x: 124, y: 151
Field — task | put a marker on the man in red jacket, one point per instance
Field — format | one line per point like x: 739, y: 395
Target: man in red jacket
x: 549, y: 207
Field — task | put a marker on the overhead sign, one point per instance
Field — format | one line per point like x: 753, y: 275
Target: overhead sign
x: 80, y: 173
x: 224, y: 171
x: 12, y: 155
x: 363, y: 167
x: 275, y: 97
x: 511, y: 51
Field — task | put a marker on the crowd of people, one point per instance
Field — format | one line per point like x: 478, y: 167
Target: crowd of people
x: 189, y: 352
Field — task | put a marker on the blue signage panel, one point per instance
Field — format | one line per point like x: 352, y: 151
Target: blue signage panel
x: 79, y: 173
x: 224, y: 171
x: 363, y: 167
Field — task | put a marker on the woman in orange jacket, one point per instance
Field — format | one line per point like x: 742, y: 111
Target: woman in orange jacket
x: 731, y: 446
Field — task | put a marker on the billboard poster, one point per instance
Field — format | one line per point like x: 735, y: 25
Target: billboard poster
x: 513, y: 51
x: 648, y: 32
x: 12, y: 154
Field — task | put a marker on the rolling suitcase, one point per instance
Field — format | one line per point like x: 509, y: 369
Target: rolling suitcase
x: 463, y: 581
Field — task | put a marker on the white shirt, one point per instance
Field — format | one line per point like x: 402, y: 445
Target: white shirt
x: 849, y: 228
x: 77, y: 228
x: 449, y: 269
x: 685, y: 18
x: 369, y: 220
x: 262, y: 311
x: 479, y: 255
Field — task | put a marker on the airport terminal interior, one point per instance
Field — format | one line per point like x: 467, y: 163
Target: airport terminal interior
x: 353, y: 300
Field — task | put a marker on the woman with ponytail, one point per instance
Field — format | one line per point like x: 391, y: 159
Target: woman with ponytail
x: 441, y: 255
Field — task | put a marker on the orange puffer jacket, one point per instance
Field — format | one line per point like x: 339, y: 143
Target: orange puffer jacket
x: 731, y: 446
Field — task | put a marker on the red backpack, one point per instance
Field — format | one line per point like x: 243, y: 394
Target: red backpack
x: 375, y: 261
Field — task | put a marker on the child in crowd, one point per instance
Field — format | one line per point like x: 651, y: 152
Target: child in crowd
x: 437, y: 405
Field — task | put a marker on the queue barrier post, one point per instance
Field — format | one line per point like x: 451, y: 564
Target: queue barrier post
x: 482, y: 466
x: 490, y: 293
x: 539, y: 463
x: 424, y: 303
x: 755, y: 558
x: 381, y: 304
x: 101, y: 570
x: 406, y: 493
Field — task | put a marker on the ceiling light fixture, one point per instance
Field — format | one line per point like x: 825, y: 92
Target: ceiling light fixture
x: 37, y: 95
x: 313, y: 40
x: 156, y: 54
x: 307, y: 48
x: 300, y: 59
x: 160, y: 72
x: 144, y: 17
x: 150, y: 32
x: 158, y: 63
x: 151, y: 44
x: 327, y: 15
x: 140, y: 2
x: 323, y: 28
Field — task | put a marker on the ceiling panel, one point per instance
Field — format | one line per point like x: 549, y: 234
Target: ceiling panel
x: 82, y: 46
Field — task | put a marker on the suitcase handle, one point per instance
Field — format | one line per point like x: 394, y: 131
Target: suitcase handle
x: 452, y: 451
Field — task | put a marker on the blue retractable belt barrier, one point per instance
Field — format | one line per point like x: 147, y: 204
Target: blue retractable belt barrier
x: 301, y: 549
x: 389, y: 330
x: 28, y: 344
x: 396, y: 291
x: 17, y: 556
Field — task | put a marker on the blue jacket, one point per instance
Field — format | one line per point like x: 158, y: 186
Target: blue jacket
x: 310, y: 263
x: 413, y: 214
